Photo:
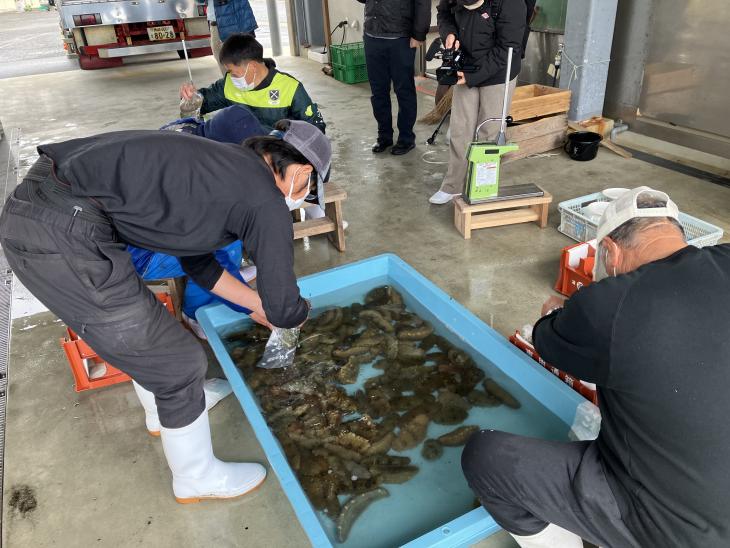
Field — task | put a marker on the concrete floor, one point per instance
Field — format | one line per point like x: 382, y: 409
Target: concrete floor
x: 99, y: 479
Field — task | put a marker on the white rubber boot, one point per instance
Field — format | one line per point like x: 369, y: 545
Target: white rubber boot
x: 550, y: 537
x: 215, y: 390
x: 197, y: 474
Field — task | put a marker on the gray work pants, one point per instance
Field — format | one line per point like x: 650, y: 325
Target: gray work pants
x: 526, y: 483
x: 469, y: 107
x: 215, y: 45
x: 78, y: 268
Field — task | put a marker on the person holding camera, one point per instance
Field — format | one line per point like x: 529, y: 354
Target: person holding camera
x: 393, y: 31
x: 484, y: 30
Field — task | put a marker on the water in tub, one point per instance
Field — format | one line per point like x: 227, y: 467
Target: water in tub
x: 407, y: 388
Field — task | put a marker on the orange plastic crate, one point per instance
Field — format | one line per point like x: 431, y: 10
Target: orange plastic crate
x: 576, y: 384
x: 576, y: 267
x: 81, y: 357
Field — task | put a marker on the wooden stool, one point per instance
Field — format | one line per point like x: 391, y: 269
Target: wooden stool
x: 175, y: 287
x: 504, y: 212
x: 331, y: 224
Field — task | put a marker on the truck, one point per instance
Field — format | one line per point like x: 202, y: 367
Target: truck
x: 102, y: 32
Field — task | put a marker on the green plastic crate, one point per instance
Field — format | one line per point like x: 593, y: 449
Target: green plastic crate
x: 350, y: 75
x: 348, y: 55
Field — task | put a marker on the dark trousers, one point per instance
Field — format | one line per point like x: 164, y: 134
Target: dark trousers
x: 526, y: 483
x: 392, y: 61
x: 78, y: 268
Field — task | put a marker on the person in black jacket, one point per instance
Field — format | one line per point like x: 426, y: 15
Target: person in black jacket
x: 66, y: 227
x: 651, y: 333
x: 485, y: 30
x: 393, y: 31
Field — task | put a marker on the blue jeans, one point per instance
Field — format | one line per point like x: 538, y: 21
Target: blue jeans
x: 153, y: 266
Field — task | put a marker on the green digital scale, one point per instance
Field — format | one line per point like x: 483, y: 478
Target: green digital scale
x: 482, y: 178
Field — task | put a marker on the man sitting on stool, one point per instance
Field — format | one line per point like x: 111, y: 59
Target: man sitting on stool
x: 254, y: 82
x: 651, y: 333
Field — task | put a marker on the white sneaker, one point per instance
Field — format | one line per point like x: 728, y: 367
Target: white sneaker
x: 442, y: 197
x: 197, y: 474
x: 248, y: 273
x: 345, y: 224
x: 195, y: 327
x: 215, y: 390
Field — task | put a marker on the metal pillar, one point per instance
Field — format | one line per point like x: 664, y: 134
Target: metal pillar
x: 291, y: 17
x: 588, y: 36
x: 274, y: 27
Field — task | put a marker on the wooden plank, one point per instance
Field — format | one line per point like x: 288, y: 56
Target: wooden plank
x: 501, y: 218
x: 597, y: 124
x: 540, y: 106
x: 332, y: 193
x: 610, y: 145
x: 503, y: 204
x: 337, y: 236
x: 459, y: 219
x: 537, y: 128
x: 537, y: 145
x: 313, y: 227
x: 533, y: 101
x: 542, y: 211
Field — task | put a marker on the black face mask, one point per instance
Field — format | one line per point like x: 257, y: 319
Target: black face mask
x: 466, y: 3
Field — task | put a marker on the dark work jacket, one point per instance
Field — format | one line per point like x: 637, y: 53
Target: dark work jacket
x: 397, y: 18
x: 293, y: 101
x: 655, y: 341
x: 486, y: 34
x: 188, y: 196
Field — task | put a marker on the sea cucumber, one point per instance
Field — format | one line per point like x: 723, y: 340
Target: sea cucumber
x: 353, y: 508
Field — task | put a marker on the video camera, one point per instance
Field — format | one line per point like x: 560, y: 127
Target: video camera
x: 452, y: 62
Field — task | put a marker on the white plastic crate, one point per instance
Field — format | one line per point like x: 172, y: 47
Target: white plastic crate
x: 576, y: 225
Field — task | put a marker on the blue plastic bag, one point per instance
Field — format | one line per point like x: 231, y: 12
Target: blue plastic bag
x: 154, y: 266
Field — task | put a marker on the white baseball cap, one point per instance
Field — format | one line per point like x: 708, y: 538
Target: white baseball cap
x: 625, y: 207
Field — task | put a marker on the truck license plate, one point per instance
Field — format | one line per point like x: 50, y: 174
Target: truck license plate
x: 161, y: 33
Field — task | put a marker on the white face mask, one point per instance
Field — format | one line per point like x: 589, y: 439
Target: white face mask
x: 296, y: 204
x: 241, y: 83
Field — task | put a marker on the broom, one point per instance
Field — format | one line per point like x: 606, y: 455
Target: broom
x: 440, y: 110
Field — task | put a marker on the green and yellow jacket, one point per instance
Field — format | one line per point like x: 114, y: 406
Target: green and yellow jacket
x: 279, y: 96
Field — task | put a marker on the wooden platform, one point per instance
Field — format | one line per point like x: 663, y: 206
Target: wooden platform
x: 331, y: 224
x: 507, y: 212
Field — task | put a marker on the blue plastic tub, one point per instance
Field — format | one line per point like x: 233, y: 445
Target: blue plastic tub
x: 504, y: 361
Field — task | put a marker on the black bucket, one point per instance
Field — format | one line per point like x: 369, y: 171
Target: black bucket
x: 583, y: 145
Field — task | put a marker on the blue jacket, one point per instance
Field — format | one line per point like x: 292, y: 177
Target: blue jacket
x: 232, y: 124
x: 234, y: 16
